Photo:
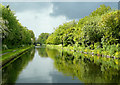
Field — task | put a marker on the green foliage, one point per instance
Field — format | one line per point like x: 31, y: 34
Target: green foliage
x: 91, y: 32
x: 3, y: 28
x: 42, y: 38
x: 101, y: 10
x: 13, y: 33
x: 111, y: 27
x: 7, y: 57
x: 63, y: 34
x: 100, y: 29
x: 32, y: 36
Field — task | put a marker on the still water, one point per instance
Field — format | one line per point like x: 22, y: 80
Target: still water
x: 43, y: 65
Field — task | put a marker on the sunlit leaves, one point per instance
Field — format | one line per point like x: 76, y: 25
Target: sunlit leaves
x: 3, y: 28
x: 63, y: 34
x: 14, y: 34
x: 100, y: 30
x: 111, y: 27
x: 101, y: 10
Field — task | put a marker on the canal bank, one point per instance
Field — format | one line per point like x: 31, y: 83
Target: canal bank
x: 13, y: 55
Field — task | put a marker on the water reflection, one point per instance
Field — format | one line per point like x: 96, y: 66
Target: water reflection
x: 86, y: 71
x: 42, y: 52
x: 52, y: 53
x: 45, y: 52
x: 51, y: 66
x: 56, y: 76
x: 11, y: 72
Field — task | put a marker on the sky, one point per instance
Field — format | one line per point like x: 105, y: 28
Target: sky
x: 45, y: 16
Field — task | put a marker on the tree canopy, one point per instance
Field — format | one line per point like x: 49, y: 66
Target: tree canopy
x: 42, y: 38
x: 101, y: 27
x: 13, y: 33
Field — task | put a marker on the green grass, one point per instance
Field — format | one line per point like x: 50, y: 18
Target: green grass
x: 9, y: 50
x: 7, y: 57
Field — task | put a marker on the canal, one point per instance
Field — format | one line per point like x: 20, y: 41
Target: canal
x: 43, y: 65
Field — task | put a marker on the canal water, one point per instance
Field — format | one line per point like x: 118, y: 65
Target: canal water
x: 43, y: 65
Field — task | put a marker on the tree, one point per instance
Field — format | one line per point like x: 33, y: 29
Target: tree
x: 61, y: 34
x: 42, y: 38
x: 111, y: 27
x: 14, y: 34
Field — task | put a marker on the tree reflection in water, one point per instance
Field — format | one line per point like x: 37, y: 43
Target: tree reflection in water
x: 11, y: 72
x: 42, y: 52
x: 75, y: 66
x: 85, y: 70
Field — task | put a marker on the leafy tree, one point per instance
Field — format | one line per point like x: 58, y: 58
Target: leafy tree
x: 101, y: 10
x: 62, y: 34
x: 111, y: 27
x: 98, y: 29
x: 42, y: 38
x: 32, y: 36
x: 14, y: 34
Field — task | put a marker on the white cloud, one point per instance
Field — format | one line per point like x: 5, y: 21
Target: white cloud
x: 40, y: 21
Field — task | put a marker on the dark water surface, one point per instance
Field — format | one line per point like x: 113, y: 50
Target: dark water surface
x: 42, y: 65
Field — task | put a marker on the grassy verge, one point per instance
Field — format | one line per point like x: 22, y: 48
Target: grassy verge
x: 8, y: 50
x: 12, y: 54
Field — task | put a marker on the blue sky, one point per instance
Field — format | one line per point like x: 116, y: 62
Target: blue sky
x: 44, y: 16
